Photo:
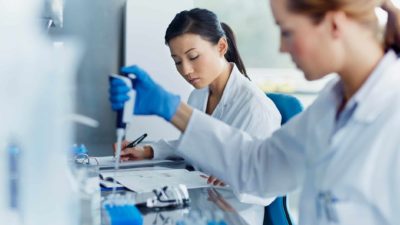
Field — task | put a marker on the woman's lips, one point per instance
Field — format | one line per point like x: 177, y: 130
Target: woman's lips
x: 194, y: 80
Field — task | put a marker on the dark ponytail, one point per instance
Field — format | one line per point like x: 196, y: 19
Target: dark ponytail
x: 206, y: 24
x: 232, y: 55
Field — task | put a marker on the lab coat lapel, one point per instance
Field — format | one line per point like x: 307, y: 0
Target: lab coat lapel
x: 324, y: 125
x: 370, y: 106
x: 380, y: 94
x: 226, y: 98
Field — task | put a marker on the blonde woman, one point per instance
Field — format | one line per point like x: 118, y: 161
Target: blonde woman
x: 343, y: 151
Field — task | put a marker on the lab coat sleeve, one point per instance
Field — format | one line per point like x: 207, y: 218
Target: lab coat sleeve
x: 386, y: 191
x: 261, y: 167
x: 260, y: 121
x: 163, y: 149
x: 260, y: 125
x: 394, y: 188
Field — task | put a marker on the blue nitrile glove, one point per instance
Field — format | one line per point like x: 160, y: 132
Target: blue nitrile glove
x: 151, y: 98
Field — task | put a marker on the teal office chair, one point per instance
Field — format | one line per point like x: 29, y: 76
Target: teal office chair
x: 277, y: 213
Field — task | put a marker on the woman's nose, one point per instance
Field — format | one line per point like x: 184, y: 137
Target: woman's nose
x: 187, y: 69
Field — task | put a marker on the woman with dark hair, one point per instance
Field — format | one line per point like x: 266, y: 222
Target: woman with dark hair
x: 343, y: 152
x: 205, y: 54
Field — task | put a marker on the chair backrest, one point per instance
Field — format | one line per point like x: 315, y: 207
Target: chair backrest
x: 277, y: 213
x: 287, y: 105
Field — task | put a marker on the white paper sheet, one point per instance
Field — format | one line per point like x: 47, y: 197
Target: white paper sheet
x: 146, y: 180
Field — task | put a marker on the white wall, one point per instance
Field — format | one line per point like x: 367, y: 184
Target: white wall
x: 145, y: 26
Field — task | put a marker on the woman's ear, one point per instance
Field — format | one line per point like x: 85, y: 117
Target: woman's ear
x: 223, y: 46
x: 337, y: 19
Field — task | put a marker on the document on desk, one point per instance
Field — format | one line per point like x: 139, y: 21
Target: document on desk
x: 146, y: 180
x: 108, y: 162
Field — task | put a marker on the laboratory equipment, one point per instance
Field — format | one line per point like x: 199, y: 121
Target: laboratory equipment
x: 87, y: 181
x: 152, y: 99
x: 168, y: 197
x: 80, y: 154
x: 121, y: 210
x: 36, y: 83
x: 14, y: 176
x: 53, y: 13
x: 124, y: 209
x: 123, y: 116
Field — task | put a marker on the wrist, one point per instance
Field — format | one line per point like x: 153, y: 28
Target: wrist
x: 172, y: 106
x: 182, y: 116
x: 148, y: 152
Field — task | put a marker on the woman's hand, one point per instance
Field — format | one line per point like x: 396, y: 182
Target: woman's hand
x: 151, y: 98
x: 214, y: 181
x: 215, y: 197
x: 135, y: 153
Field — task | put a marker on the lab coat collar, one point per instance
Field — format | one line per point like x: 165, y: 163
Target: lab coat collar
x: 371, y: 99
x: 231, y: 86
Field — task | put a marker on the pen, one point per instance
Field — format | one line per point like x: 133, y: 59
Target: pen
x: 137, y: 141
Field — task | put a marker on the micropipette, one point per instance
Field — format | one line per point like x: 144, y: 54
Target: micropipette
x: 124, y: 116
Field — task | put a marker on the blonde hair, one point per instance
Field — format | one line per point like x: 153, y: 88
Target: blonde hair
x: 361, y: 10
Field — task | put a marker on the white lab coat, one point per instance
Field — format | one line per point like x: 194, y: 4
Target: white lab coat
x: 348, y: 171
x: 244, y: 106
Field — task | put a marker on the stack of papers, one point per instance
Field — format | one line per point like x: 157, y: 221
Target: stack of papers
x: 147, y: 180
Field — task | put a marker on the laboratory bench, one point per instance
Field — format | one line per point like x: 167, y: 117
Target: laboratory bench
x: 204, y: 202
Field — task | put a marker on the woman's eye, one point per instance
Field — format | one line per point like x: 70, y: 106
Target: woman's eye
x: 178, y: 63
x: 285, y: 33
x: 195, y: 57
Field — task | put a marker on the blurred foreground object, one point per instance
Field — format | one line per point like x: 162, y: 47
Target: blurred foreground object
x: 35, y: 92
